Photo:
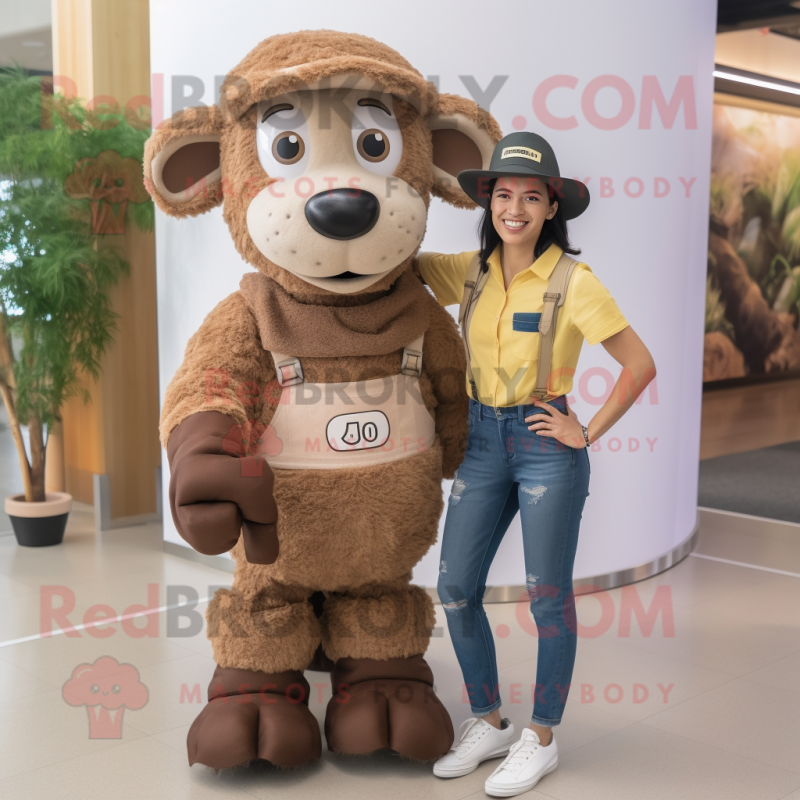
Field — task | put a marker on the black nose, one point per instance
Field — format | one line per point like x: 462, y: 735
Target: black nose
x: 343, y: 213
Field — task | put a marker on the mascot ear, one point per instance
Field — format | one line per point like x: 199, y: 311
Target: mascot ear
x: 464, y: 136
x: 182, y: 162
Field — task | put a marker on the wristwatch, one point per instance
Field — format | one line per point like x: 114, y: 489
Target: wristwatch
x: 585, y: 434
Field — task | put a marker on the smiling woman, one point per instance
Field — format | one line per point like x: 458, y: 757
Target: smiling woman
x: 525, y: 215
x: 526, y: 308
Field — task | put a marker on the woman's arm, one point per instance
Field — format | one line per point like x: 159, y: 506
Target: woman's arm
x: 638, y: 369
x: 444, y: 274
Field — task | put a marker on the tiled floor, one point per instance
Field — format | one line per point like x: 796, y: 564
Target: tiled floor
x: 729, y: 727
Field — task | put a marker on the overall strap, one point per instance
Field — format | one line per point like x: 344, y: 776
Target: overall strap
x: 288, y: 369
x: 412, y: 358
x: 473, y: 286
x: 553, y: 299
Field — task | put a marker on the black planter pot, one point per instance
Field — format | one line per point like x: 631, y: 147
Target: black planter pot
x: 39, y: 524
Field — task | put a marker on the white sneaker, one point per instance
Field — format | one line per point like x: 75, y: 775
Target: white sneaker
x: 526, y: 763
x: 477, y: 741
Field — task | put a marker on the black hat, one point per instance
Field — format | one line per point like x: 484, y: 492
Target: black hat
x: 526, y: 155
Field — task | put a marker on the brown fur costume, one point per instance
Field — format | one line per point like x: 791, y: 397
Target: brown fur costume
x: 293, y: 532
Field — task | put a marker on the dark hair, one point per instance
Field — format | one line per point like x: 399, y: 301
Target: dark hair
x: 553, y: 231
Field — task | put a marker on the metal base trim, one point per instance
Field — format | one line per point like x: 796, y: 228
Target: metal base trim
x: 608, y: 580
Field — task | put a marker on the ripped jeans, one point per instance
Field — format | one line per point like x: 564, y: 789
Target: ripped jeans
x: 506, y: 469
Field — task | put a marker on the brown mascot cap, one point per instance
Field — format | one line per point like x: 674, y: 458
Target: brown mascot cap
x: 323, y: 60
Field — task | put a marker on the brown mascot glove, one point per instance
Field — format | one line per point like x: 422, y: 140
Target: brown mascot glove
x: 214, y: 492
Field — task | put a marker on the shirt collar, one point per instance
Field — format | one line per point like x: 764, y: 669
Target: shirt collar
x: 542, y: 267
x: 546, y: 263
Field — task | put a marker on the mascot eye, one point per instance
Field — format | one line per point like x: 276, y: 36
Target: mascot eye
x: 288, y: 147
x: 282, y: 138
x: 94, y: 688
x: 373, y: 145
x: 116, y: 688
x: 375, y: 131
x: 119, y: 182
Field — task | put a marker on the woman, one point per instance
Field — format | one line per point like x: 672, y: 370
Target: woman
x: 523, y: 453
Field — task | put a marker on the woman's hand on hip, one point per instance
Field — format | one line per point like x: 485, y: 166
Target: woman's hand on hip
x: 566, y: 428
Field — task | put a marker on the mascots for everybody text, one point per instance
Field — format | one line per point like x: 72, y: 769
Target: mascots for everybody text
x: 335, y: 366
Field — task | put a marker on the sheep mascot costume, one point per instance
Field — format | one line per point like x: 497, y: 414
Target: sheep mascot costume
x: 318, y: 408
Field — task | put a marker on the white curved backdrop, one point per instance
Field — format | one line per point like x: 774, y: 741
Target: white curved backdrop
x: 626, y: 111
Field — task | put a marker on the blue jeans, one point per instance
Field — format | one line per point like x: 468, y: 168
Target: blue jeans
x: 506, y: 469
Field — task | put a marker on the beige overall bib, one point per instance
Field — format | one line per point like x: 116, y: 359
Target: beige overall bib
x: 350, y: 424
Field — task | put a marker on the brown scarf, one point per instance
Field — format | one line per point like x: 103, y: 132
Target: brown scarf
x: 381, y: 326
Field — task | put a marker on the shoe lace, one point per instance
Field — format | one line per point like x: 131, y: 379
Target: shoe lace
x: 519, y: 753
x: 467, y: 734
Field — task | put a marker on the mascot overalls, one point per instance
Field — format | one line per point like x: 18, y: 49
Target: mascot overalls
x: 335, y: 366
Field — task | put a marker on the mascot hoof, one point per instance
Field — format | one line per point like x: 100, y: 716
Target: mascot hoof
x: 255, y: 715
x: 387, y: 704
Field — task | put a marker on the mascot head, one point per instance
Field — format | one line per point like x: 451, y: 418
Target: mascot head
x: 324, y: 151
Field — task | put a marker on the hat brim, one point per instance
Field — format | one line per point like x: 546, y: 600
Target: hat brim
x: 572, y: 195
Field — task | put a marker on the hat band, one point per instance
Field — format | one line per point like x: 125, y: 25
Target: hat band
x: 521, y: 168
x: 521, y: 152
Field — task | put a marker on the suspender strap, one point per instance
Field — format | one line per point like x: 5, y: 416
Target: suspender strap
x: 412, y: 358
x: 553, y: 300
x: 473, y: 286
x: 288, y: 369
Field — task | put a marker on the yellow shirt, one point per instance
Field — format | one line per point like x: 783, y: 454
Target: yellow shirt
x: 503, y: 336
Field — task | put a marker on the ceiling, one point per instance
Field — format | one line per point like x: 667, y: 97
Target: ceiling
x: 33, y: 48
x: 780, y: 16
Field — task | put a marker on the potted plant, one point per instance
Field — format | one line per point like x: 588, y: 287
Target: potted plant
x: 59, y: 164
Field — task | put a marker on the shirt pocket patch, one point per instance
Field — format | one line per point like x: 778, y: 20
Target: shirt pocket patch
x: 524, y: 335
x: 528, y: 323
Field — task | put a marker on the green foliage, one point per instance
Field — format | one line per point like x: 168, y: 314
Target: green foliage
x: 55, y: 275
x: 788, y: 297
x: 715, y: 311
x: 722, y: 195
x: 791, y: 233
x: 763, y: 226
x: 787, y: 186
